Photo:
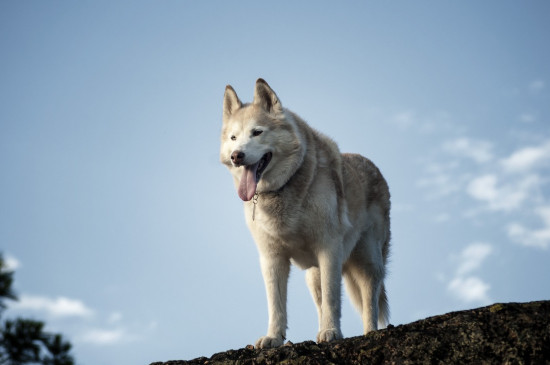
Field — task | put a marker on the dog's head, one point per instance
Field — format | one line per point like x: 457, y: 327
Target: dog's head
x: 258, y: 141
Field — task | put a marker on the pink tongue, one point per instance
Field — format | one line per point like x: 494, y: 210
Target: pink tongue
x: 247, y: 187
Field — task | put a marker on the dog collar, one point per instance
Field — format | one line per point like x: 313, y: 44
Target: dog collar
x: 254, y: 201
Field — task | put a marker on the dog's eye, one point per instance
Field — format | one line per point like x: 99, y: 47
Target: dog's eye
x: 233, y: 138
x: 256, y: 132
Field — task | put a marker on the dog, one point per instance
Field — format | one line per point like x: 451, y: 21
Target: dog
x: 308, y: 204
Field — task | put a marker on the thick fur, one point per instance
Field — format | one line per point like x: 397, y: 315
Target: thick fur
x: 324, y: 211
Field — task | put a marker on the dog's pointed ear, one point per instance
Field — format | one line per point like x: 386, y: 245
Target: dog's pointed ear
x: 231, y: 102
x: 265, y: 97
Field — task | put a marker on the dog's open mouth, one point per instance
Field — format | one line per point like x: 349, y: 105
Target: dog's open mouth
x: 251, y: 176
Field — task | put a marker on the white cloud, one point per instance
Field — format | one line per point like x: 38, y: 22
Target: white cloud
x: 536, y: 86
x: 424, y: 124
x: 525, y: 163
x: 11, y: 263
x: 115, y: 335
x: 470, y: 289
x: 464, y: 286
x: 502, y: 197
x: 532, y: 237
x: 441, y: 179
x: 441, y: 184
x: 473, y: 256
x: 442, y: 217
x: 404, y: 120
x: 477, y: 150
x: 115, y: 317
x: 484, y: 188
x: 104, y: 337
x: 504, y: 186
x: 527, y: 118
x: 59, y: 307
x: 527, y: 158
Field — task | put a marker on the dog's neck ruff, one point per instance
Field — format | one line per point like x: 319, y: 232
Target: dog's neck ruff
x: 254, y: 199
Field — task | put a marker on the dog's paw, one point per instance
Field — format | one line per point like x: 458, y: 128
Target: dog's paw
x: 267, y: 342
x: 328, y: 335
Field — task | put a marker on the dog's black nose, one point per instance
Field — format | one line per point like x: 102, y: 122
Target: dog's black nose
x: 237, y: 157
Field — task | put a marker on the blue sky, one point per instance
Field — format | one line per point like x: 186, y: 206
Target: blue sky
x: 127, y: 234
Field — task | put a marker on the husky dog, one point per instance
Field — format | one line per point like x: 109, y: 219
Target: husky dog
x: 308, y: 204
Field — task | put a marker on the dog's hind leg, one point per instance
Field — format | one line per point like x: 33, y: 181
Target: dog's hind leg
x: 370, y: 293
x: 353, y: 289
x: 364, y: 287
x: 313, y: 280
x: 366, y: 270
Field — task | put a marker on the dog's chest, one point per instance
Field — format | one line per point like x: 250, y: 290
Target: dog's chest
x: 285, y: 229
x: 304, y: 259
x: 298, y: 245
x: 278, y: 217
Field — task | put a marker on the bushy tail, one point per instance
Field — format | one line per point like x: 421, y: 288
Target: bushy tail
x: 383, y: 309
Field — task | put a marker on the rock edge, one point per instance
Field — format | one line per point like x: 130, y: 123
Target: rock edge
x: 502, y: 333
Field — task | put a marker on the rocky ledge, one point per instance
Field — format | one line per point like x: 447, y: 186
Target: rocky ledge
x: 512, y: 333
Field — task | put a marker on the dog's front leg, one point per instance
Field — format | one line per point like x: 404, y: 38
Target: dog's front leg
x: 275, y: 270
x: 330, y: 267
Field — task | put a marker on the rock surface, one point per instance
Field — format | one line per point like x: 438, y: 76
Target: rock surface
x: 512, y: 333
